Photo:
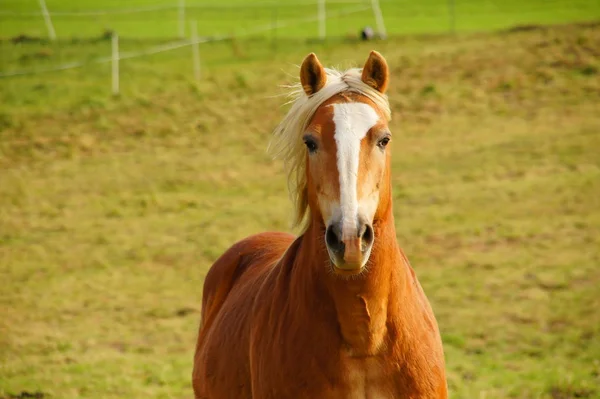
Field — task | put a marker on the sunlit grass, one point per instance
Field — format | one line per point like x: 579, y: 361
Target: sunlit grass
x: 112, y: 209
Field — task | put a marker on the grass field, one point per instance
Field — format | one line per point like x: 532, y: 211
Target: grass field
x: 113, y: 208
x: 237, y: 16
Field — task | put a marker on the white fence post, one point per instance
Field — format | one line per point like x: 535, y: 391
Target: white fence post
x: 322, y: 20
x: 181, y: 18
x: 115, y: 63
x: 48, y: 20
x: 378, y: 18
x: 195, y: 50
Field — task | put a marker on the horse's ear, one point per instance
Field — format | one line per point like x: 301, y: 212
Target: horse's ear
x: 376, y: 72
x: 312, y: 75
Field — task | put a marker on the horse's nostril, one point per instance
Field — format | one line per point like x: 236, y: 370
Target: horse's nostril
x: 333, y: 240
x: 367, y: 234
x: 361, y: 231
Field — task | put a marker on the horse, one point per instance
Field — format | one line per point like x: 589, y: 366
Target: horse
x: 336, y: 312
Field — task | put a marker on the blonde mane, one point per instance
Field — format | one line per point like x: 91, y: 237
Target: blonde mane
x: 287, y: 143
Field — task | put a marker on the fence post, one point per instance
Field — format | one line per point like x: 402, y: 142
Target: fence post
x: 115, y: 63
x: 322, y: 19
x: 181, y: 18
x: 378, y: 18
x: 452, y: 16
x: 195, y: 50
x: 48, y: 20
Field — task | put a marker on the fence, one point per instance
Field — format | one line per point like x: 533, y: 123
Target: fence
x: 180, y: 18
x: 193, y: 41
x: 181, y: 12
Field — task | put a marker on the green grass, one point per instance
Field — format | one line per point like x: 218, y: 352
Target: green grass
x: 112, y: 209
x: 401, y: 17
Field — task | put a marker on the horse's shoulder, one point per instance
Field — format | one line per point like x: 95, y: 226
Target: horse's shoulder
x: 251, y: 253
x: 259, y: 250
x: 259, y: 245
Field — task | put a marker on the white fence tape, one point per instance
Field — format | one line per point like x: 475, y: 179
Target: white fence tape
x: 180, y: 44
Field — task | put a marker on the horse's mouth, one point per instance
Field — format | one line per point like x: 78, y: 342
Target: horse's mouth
x: 344, y: 269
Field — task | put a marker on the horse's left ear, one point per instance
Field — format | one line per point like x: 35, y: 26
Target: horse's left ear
x: 376, y: 72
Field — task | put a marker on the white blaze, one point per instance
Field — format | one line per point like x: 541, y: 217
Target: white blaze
x: 352, y: 122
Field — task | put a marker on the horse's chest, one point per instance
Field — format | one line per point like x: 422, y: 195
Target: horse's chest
x: 366, y: 379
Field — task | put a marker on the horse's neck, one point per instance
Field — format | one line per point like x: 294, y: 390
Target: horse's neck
x: 361, y: 303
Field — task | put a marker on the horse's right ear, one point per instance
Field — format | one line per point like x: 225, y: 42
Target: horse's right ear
x: 312, y: 75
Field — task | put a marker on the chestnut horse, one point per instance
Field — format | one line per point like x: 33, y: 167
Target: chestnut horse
x: 338, y: 311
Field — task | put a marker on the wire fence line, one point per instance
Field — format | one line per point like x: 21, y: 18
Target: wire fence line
x: 181, y: 44
x: 180, y: 11
x: 117, y: 11
x: 172, y: 6
x: 91, y: 12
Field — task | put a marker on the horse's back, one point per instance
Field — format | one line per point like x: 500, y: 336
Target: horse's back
x: 233, y: 278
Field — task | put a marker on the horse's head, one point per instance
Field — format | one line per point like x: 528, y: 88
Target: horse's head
x: 347, y: 159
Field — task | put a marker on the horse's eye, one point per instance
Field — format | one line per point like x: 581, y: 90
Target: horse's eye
x: 383, y: 142
x: 311, y: 145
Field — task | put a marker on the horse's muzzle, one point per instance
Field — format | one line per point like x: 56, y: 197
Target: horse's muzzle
x: 349, y: 248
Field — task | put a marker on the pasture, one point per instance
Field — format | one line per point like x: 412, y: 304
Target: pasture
x: 158, y: 20
x: 112, y: 209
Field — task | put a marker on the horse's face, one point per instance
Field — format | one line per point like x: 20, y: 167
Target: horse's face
x: 348, y: 164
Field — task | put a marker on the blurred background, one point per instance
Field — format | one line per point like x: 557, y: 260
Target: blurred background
x: 133, y: 141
